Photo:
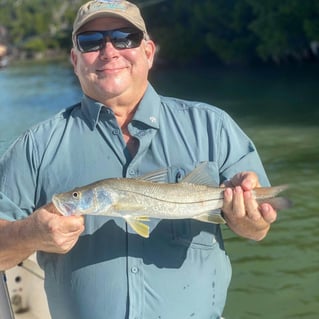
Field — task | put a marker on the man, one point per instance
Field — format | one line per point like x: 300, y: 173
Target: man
x: 97, y: 267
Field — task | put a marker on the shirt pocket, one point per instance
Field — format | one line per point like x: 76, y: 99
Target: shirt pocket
x: 188, y: 232
x: 176, y: 174
x: 195, y: 235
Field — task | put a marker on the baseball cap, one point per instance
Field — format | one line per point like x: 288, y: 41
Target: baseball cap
x: 109, y: 8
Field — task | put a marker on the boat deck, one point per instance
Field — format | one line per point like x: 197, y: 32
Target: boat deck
x: 26, y: 290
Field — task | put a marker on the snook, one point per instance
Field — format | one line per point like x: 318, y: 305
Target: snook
x: 137, y: 200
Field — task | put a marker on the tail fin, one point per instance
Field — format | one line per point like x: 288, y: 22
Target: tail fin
x: 268, y: 195
x: 278, y: 203
x: 269, y: 192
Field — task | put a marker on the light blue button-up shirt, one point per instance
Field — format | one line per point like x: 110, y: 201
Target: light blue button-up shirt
x: 182, y: 270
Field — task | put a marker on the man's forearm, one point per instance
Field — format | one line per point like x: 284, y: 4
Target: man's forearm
x: 15, y: 243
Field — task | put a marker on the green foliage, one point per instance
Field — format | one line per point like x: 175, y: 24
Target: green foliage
x: 231, y: 31
x: 284, y: 28
x: 34, y: 45
x: 224, y: 28
x: 237, y: 31
x: 37, y: 25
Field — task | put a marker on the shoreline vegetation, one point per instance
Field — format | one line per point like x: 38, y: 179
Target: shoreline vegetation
x: 14, y: 56
x: 189, y: 32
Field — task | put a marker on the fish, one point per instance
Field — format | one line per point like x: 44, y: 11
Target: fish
x: 138, y: 200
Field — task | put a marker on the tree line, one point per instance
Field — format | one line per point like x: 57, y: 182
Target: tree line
x: 186, y: 31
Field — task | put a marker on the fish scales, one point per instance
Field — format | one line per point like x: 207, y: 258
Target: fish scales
x: 177, y: 193
x: 152, y: 199
x: 137, y: 203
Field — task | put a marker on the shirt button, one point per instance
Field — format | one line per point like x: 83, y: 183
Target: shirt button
x: 141, y: 133
x: 134, y: 270
x: 116, y: 132
x: 131, y: 172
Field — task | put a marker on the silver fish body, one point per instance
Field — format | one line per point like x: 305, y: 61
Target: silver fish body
x: 137, y: 200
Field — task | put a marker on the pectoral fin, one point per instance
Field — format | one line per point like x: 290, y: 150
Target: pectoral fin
x: 211, y: 217
x: 139, y: 227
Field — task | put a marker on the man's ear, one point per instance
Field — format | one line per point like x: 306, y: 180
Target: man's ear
x: 150, y: 50
x: 74, y: 59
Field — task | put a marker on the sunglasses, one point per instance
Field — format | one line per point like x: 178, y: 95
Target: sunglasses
x: 121, y: 39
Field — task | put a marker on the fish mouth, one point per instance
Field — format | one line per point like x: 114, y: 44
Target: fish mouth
x: 63, y: 208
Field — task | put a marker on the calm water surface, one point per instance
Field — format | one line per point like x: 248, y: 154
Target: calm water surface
x: 273, y: 279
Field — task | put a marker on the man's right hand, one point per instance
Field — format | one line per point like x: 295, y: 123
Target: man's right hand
x: 44, y: 230
x: 58, y: 234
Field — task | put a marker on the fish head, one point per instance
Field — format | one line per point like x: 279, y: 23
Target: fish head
x: 76, y: 202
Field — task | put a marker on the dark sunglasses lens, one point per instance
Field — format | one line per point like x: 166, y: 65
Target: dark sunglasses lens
x: 90, y: 41
x: 124, y: 40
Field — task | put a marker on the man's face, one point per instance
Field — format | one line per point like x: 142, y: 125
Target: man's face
x: 110, y: 74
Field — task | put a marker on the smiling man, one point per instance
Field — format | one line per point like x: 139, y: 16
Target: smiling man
x: 97, y: 267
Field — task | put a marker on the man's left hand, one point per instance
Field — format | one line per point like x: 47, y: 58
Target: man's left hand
x: 243, y: 214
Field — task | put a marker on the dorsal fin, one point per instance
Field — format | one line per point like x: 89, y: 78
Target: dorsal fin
x: 201, y: 175
x: 159, y: 176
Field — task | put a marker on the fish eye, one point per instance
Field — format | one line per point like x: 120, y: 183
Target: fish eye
x: 76, y: 195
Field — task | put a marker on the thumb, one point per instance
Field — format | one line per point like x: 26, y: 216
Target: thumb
x: 73, y: 223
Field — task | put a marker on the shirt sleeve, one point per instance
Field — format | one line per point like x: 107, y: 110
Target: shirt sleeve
x: 238, y: 153
x: 18, y: 179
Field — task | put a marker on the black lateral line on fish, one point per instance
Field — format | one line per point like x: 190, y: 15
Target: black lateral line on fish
x: 166, y: 200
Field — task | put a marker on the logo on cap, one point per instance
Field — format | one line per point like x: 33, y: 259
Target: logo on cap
x: 111, y: 2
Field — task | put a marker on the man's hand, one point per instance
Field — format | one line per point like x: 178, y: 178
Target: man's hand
x: 45, y: 230
x: 243, y: 214
x: 56, y: 233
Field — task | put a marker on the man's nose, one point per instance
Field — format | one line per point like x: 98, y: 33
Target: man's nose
x: 108, y: 50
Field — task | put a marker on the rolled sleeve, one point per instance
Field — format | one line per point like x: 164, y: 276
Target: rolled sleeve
x: 18, y: 179
x: 238, y: 153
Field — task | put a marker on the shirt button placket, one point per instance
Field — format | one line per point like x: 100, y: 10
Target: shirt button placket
x: 135, y: 278
x: 116, y: 131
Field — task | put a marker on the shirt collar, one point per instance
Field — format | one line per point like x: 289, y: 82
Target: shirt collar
x: 149, y: 108
x: 91, y: 110
x: 147, y: 112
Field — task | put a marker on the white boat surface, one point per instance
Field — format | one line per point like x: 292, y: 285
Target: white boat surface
x: 25, y: 286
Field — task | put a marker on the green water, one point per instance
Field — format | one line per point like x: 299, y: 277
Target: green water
x: 278, y: 277
x: 279, y: 108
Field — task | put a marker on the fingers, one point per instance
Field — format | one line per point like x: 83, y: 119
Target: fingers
x: 268, y: 212
x: 68, y: 224
x: 56, y: 233
x: 251, y: 206
x: 241, y: 204
x: 242, y: 212
x: 234, y: 202
x: 247, y: 181
x: 239, y: 201
x: 75, y: 224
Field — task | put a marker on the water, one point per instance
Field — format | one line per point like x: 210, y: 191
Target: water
x: 274, y: 279
x: 31, y: 93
